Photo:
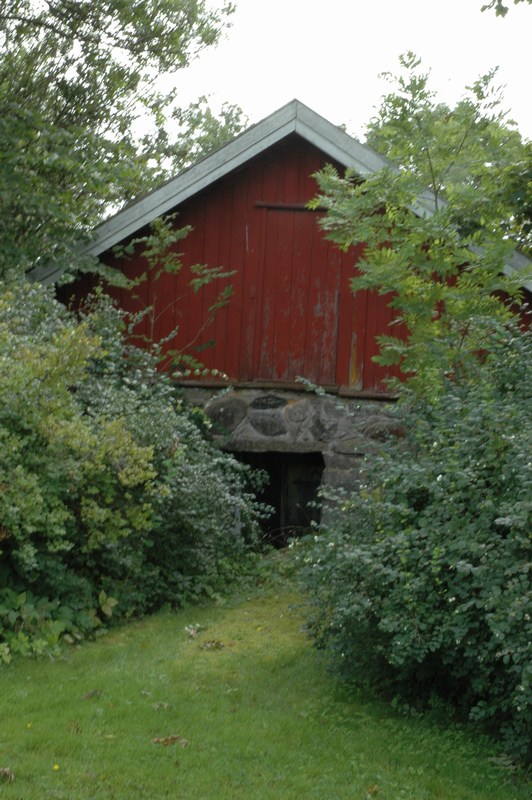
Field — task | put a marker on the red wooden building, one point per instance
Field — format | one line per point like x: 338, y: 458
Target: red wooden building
x: 292, y: 313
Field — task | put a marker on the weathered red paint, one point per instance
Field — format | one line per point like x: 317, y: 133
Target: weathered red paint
x: 292, y: 312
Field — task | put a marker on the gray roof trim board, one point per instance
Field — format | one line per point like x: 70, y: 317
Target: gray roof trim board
x: 294, y: 117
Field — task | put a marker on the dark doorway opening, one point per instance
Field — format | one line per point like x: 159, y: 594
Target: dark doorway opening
x: 292, y: 491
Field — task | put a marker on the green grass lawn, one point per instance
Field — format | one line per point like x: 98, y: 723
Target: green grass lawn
x: 244, y: 709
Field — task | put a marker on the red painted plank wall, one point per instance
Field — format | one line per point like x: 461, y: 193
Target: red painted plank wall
x: 292, y: 312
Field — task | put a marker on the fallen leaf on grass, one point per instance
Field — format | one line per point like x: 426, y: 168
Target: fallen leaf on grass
x: 212, y: 644
x: 8, y: 774
x: 166, y: 740
x: 94, y: 693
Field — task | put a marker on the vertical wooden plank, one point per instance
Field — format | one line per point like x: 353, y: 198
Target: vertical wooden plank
x: 285, y: 310
x: 345, y: 341
x: 314, y: 328
x: 282, y: 293
x: 236, y: 247
x: 212, y: 344
x: 330, y: 314
x: 266, y: 258
x: 246, y: 227
x: 253, y: 271
x: 350, y: 365
x: 224, y: 344
x: 264, y: 330
x: 163, y: 298
x: 188, y: 306
x: 302, y: 256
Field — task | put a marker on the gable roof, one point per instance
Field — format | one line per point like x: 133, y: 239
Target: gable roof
x: 293, y: 118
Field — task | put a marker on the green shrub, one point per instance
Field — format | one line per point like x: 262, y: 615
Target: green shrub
x: 109, y: 487
x: 68, y: 479
x: 424, y: 584
x: 205, y: 516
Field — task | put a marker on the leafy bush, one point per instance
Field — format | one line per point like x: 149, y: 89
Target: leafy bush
x: 205, y: 515
x: 424, y: 584
x: 68, y: 479
x: 109, y: 487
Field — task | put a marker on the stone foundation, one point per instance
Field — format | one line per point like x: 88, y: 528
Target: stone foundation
x: 344, y: 430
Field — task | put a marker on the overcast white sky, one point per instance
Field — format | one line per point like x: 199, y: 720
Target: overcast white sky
x: 329, y: 53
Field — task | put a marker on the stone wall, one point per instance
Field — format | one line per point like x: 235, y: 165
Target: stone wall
x: 344, y: 430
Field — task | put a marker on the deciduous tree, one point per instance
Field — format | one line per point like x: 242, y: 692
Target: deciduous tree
x: 95, y: 447
x: 77, y: 96
x: 422, y: 586
x: 441, y: 252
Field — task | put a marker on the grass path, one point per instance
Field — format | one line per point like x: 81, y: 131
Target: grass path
x: 242, y: 710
